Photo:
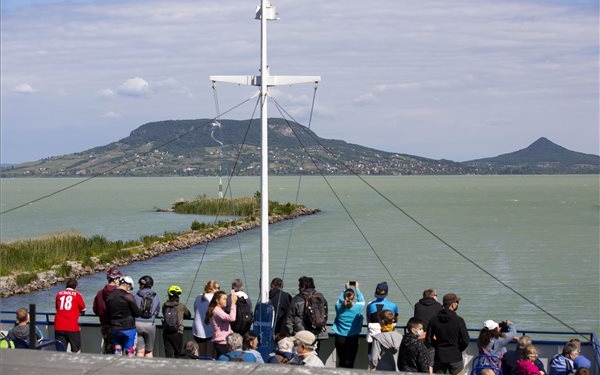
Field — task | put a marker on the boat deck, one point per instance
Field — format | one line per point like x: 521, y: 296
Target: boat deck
x: 547, y: 343
x: 34, y: 362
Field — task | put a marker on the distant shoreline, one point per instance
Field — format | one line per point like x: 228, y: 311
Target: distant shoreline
x: 185, y: 240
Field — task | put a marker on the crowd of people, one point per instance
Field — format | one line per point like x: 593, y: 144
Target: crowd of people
x: 433, y: 341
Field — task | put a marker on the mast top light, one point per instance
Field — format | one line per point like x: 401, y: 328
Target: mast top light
x: 270, y: 13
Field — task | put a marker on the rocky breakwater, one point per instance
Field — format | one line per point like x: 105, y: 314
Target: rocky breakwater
x: 185, y: 240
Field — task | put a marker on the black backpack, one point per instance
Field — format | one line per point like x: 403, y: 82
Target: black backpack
x: 314, y: 312
x: 146, y: 305
x: 171, y: 320
x: 243, y: 316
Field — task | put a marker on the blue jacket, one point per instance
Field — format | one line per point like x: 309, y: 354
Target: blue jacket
x: 561, y: 365
x: 348, y: 321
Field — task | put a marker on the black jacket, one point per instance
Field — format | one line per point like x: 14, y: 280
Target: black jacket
x: 413, y: 355
x: 448, y: 334
x: 426, y: 309
x: 296, y: 319
x: 122, y: 309
x: 281, y: 302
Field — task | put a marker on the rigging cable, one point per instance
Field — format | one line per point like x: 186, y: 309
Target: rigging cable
x: 127, y: 161
x: 312, y: 108
x: 348, y: 212
x: 447, y: 244
x: 222, y: 200
x: 289, y: 242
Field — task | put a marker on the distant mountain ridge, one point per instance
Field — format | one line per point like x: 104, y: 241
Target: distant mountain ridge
x: 206, y: 148
x: 541, y: 155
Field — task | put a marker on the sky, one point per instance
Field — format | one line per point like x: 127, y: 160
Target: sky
x: 458, y: 80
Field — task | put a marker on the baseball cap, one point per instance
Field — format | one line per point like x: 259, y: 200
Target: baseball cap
x: 381, y: 290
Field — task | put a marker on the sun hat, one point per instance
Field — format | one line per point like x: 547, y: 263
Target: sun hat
x: 306, y: 337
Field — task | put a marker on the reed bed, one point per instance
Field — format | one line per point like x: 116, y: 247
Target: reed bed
x: 236, y: 206
x: 27, y: 257
x: 244, y: 206
x: 55, y: 249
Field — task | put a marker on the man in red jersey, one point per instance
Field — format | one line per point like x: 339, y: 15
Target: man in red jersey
x: 69, y: 305
x: 112, y: 276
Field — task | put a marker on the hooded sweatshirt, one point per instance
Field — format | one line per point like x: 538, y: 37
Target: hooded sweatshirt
x: 425, y: 309
x: 384, y: 355
x: 99, y: 305
x: 448, y: 334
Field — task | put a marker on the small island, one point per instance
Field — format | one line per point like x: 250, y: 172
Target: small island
x: 34, y: 264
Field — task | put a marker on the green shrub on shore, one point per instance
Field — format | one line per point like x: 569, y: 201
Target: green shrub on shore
x: 64, y: 270
x: 25, y: 278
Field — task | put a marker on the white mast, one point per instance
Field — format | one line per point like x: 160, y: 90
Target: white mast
x: 264, y: 13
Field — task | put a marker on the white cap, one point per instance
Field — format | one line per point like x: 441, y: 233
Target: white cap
x: 490, y: 325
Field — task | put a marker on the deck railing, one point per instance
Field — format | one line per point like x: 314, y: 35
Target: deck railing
x: 548, y: 343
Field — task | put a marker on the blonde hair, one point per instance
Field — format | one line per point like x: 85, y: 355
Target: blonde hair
x: 527, y: 351
x: 210, y: 286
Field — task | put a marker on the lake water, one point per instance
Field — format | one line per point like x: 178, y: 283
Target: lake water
x: 524, y: 248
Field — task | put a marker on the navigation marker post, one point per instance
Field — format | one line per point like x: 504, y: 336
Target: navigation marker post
x: 263, y: 320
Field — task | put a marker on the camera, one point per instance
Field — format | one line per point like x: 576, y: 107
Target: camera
x: 503, y: 326
x: 352, y: 283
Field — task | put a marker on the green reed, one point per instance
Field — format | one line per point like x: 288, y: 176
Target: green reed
x: 56, y: 249
x: 244, y: 206
x: 236, y: 206
x: 26, y: 257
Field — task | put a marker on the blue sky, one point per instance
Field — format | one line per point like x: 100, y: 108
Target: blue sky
x: 459, y: 80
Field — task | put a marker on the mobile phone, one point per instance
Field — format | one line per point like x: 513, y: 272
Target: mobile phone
x: 352, y: 283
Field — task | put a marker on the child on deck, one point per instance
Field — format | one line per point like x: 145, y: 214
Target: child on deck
x: 386, y: 344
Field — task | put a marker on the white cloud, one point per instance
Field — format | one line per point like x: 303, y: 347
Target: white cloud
x: 135, y: 87
x: 431, y: 75
x: 111, y: 114
x: 24, y: 88
x: 107, y: 93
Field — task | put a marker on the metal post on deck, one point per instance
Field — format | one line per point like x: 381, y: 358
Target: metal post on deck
x: 32, y: 336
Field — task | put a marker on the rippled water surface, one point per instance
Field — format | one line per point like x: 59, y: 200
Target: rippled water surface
x: 524, y: 248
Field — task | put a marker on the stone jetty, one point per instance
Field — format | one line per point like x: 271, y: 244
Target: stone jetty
x: 185, y: 240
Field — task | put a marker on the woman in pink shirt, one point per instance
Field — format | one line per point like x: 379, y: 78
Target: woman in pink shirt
x: 220, y: 320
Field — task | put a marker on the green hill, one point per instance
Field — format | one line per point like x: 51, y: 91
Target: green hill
x: 205, y: 148
x: 201, y: 147
x: 542, y: 156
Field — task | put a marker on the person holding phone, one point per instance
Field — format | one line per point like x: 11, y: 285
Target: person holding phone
x: 348, y: 323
